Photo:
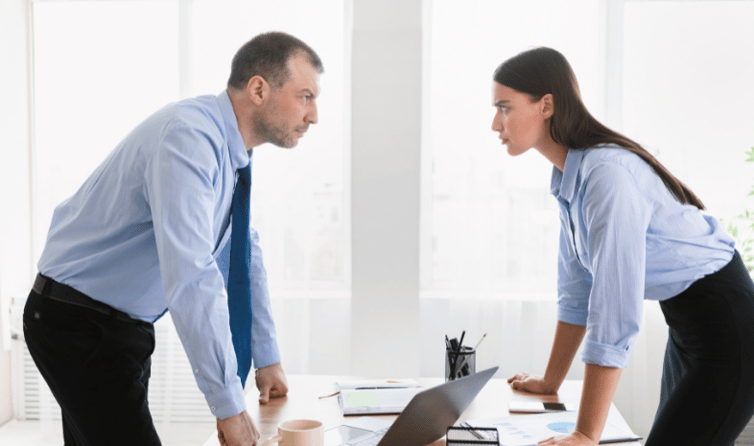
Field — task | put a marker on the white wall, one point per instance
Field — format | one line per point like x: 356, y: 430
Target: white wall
x: 15, y: 224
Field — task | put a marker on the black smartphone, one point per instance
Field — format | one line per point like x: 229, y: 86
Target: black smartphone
x: 539, y: 407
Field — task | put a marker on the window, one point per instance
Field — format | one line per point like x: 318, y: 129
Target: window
x: 687, y: 93
x: 95, y: 79
x: 493, y: 224
x: 300, y: 208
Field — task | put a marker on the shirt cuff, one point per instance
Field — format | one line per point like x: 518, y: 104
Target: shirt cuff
x: 265, y: 354
x: 227, y: 403
x: 606, y: 355
x: 572, y: 316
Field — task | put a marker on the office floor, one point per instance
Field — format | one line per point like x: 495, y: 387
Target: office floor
x: 36, y: 433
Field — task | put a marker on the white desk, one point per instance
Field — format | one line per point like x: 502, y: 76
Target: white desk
x: 304, y: 392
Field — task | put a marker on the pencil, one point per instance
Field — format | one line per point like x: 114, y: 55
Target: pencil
x: 463, y: 363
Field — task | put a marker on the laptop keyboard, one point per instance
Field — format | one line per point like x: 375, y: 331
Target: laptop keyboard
x: 369, y: 441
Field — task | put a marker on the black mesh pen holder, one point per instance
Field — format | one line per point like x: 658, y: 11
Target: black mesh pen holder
x: 471, y: 436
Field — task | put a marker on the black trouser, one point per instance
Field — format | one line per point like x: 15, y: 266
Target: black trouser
x: 97, y: 366
x: 707, y: 395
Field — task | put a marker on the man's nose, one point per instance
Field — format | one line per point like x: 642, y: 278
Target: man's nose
x: 312, y: 117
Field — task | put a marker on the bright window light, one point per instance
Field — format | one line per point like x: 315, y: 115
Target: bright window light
x: 102, y: 67
x: 299, y: 206
x: 494, y: 225
x: 96, y: 75
x: 687, y: 93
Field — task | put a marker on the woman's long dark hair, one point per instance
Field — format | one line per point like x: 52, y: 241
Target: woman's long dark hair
x: 542, y: 71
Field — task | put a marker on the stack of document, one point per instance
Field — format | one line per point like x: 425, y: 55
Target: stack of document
x: 375, y: 396
x: 527, y: 430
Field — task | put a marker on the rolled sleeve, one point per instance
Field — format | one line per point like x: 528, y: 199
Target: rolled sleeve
x: 606, y: 355
x: 571, y: 315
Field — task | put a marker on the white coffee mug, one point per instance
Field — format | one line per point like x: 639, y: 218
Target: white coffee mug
x: 299, y: 433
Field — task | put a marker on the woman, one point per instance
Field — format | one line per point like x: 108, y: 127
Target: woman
x: 631, y: 231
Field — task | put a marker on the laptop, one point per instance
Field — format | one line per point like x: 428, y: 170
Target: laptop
x: 424, y: 420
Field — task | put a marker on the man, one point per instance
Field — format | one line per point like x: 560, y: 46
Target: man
x: 149, y: 232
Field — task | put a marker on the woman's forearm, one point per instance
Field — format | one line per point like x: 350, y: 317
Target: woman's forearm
x: 599, y: 387
x: 568, y: 338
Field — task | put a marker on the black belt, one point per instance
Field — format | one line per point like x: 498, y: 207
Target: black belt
x: 46, y: 287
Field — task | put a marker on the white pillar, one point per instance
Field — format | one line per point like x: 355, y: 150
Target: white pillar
x: 385, y: 183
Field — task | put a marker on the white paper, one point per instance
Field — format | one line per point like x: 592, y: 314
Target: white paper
x: 377, y: 384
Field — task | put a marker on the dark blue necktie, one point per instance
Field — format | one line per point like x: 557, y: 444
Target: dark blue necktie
x: 239, y: 285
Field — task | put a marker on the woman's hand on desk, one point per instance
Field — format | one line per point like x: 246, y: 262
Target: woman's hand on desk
x: 532, y: 384
x: 575, y: 438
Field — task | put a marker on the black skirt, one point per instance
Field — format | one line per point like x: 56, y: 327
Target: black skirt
x: 707, y: 395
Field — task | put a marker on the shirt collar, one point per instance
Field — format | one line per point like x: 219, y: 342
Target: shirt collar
x: 563, y: 184
x: 239, y: 157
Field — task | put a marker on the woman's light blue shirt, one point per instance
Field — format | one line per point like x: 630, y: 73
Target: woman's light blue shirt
x: 149, y: 232
x: 625, y: 238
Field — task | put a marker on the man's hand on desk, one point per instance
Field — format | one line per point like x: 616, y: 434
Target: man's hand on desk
x: 532, y: 384
x: 573, y: 439
x: 237, y: 430
x: 271, y: 383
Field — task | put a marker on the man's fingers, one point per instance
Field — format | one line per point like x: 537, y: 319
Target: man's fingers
x: 274, y: 393
x: 279, y: 390
x: 264, y: 395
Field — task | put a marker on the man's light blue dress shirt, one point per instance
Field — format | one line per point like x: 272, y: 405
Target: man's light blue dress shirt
x: 149, y: 232
x: 625, y: 238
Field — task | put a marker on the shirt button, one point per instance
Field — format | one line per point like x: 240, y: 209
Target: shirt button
x: 213, y: 408
x: 196, y: 370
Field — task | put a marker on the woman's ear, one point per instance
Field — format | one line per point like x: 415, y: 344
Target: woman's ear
x: 547, y: 105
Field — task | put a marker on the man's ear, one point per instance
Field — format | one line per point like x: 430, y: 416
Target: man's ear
x: 547, y: 105
x: 257, y: 89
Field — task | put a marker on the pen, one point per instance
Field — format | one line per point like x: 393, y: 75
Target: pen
x: 453, y: 358
x: 480, y: 341
x: 450, y: 358
x: 463, y: 363
x: 460, y: 352
x: 474, y: 432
